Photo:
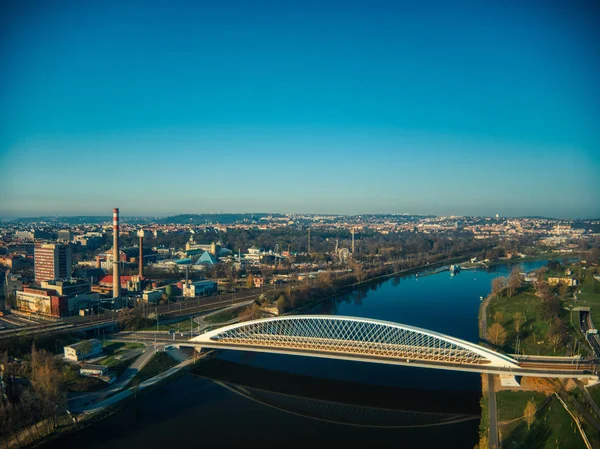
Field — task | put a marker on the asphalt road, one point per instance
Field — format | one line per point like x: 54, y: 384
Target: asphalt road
x: 493, y: 412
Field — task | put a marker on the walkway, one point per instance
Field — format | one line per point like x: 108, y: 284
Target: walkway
x: 133, y: 390
x: 80, y: 401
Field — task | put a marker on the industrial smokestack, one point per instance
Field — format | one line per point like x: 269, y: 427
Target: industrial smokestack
x: 116, y: 277
x: 141, y: 236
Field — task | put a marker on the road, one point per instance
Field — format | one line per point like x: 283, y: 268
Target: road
x: 493, y: 411
x: 79, y: 402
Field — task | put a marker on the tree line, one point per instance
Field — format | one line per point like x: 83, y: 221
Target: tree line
x: 33, y: 395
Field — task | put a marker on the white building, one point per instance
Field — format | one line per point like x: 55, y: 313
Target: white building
x: 93, y: 370
x: 83, y: 350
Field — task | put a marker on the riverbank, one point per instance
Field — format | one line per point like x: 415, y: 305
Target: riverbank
x: 524, y: 330
x: 512, y: 261
x: 374, y: 280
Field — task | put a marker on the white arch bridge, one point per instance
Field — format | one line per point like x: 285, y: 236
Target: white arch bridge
x: 375, y: 341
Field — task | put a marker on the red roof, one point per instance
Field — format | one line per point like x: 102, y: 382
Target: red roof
x: 108, y: 280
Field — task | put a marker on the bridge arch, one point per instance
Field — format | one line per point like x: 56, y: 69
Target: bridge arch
x: 343, y: 335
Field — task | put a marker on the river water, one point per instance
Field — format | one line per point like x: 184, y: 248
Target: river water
x: 270, y: 400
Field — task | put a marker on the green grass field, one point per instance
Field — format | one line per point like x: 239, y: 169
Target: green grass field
x: 224, y: 316
x: 534, y: 331
x: 595, y: 393
x: 552, y: 428
x: 589, y: 296
x: 484, y: 423
x: 159, y: 363
x: 511, y: 404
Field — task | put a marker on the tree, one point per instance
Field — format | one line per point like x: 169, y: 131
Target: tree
x: 497, y: 334
x: 282, y: 304
x: 250, y: 281
x: 563, y: 290
x: 514, y: 281
x: 498, y: 285
x: 484, y: 442
x: 557, y: 334
x: 518, y: 319
x: 529, y: 413
x: 550, y: 308
x: 498, y: 316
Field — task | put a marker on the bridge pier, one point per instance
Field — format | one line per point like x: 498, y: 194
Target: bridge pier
x: 509, y: 380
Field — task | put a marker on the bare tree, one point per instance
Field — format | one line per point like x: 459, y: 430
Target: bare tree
x: 518, y: 319
x: 514, y: 281
x: 497, y: 334
x: 564, y: 289
x: 498, y: 317
x: 557, y: 334
x: 529, y: 413
x: 541, y: 289
x: 498, y: 286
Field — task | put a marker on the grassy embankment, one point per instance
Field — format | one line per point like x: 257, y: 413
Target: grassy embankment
x: 159, y: 363
x: 588, y: 295
x: 114, y: 353
x: 484, y: 422
x: 224, y: 316
x: 553, y: 426
x: 533, y: 335
x: 511, y: 404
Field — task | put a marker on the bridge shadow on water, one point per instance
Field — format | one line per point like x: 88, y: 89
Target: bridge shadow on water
x: 438, y: 405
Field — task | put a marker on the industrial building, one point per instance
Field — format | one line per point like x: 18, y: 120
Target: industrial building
x: 152, y: 296
x: 199, y: 288
x: 56, y: 299
x: 52, y: 261
x: 42, y: 301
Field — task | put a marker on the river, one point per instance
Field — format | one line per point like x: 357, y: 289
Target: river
x: 269, y: 400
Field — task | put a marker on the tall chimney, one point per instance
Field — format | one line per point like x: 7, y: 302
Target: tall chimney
x: 116, y: 277
x: 141, y: 236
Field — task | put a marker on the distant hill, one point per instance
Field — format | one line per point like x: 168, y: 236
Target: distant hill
x: 214, y: 218
x: 83, y: 219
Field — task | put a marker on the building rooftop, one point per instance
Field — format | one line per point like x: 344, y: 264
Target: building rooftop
x: 84, y: 342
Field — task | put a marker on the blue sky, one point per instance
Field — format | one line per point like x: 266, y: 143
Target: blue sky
x: 467, y: 108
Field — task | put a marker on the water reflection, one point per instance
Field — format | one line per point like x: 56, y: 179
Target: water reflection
x: 342, y: 402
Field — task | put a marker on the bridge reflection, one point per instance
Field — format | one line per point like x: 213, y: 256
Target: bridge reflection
x: 343, y: 402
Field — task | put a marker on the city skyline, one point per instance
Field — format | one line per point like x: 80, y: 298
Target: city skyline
x: 469, y: 110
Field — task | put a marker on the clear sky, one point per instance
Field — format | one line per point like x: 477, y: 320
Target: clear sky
x: 466, y: 108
